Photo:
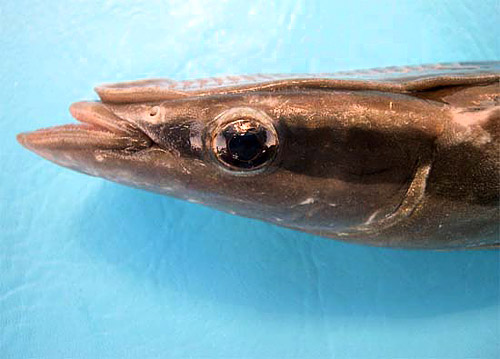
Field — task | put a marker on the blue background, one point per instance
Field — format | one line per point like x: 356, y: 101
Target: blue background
x: 90, y: 269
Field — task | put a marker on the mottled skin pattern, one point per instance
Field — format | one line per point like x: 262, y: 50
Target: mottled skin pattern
x: 403, y: 157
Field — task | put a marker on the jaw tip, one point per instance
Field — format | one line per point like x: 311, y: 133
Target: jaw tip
x: 83, y: 109
x: 32, y: 141
x: 23, y: 139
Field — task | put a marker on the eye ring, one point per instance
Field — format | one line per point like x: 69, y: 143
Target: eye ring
x: 243, y: 140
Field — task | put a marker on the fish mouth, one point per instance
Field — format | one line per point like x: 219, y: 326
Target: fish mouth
x: 99, y: 129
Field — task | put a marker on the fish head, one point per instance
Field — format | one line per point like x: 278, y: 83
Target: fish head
x: 319, y: 161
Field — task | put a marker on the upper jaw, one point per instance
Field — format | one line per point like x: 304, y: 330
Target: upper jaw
x: 100, y: 129
x: 99, y: 115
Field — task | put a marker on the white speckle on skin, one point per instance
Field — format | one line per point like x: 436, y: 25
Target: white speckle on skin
x: 232, y: 212
x: 372, y: 217
x: 309, y: 200
x: 92, y: 171
x: 332, y: 204
x: 99, y: 157
x: 278, y: 219
x: 185, y: 170
x: 192, y: 200
x: 68, y: 157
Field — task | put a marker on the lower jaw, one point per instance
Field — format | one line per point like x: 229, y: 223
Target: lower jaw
x: 77, y: 136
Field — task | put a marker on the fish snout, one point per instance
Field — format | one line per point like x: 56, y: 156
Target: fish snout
x: 78, y: 146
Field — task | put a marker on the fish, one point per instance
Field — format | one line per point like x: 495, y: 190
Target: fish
x: 402, y: 157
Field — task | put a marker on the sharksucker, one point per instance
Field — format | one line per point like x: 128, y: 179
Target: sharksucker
x: 402, y: 156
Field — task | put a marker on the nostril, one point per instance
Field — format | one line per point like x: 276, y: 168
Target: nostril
x: 154, y: 111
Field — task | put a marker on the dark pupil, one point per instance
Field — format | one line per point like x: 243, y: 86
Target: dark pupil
x: 245, y: 144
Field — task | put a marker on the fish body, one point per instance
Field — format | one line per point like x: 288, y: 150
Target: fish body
x: 402, y: 157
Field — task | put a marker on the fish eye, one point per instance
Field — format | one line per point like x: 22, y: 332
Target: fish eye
x: 245, y: 143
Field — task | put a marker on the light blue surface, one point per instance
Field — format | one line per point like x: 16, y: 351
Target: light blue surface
x: 92, y: 269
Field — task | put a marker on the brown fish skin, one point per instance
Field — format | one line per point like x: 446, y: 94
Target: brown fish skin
x: 412, y: 169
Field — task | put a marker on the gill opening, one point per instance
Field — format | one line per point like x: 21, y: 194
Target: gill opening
x: 412, y: 198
